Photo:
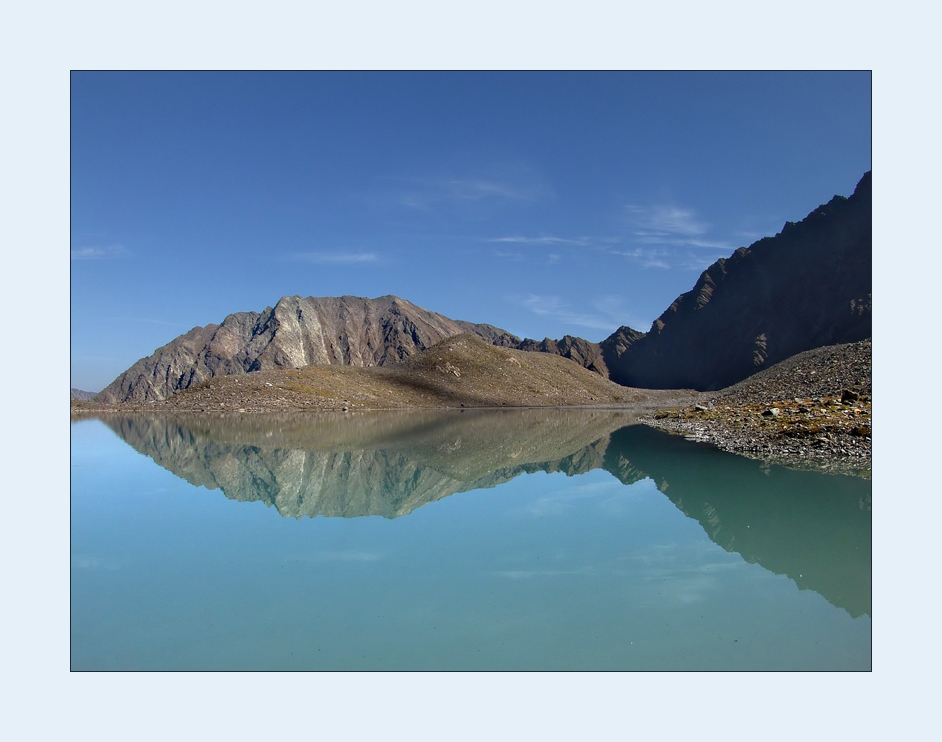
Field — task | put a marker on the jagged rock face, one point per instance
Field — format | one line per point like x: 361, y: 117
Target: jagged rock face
x: 807, y: 287
x: 584, y: 352
x: 618, y: 343
x: 296, y: 332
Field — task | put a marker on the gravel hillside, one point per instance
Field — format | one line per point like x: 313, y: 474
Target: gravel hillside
x: 461, y: 371
x: 812, y: 410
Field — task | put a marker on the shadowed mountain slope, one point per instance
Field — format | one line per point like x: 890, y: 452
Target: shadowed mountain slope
x: 806, y: 287
x: 584, y: 352
x: 460, y: 371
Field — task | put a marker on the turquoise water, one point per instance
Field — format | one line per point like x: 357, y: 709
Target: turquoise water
x: 512, y: 540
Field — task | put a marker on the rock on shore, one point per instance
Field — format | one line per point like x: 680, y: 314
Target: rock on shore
x: 812, y: 410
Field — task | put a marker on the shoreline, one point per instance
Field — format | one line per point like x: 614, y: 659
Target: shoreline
x: 821, y: 434
x: 813, y: 434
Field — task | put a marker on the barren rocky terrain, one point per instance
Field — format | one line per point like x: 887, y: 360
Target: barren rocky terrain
x: 461, y: 371
x: 812, y: 410
x: 807, y: 287
x: 296, y: 332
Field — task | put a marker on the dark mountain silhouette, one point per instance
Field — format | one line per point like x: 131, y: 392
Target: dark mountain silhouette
x: 806, y: 287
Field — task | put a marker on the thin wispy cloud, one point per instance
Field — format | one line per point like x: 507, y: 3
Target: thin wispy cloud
x: 671, y: 226
x: 685, y: 242
x: 699, y: 261
x: 606, y: 313
x: 528, y: 574
x: 343, y: 556
x: 667, y: 259
x: 426, y: 194
x: 519, y: 257
x: 670, y: 237
x: 562, y: 502
x: 665, y: 219
x: 540, y: 240
x: 556, y: 308
x: 646, y: 258
x: 474, y: 190
x: 335, y: 258
x: 146, y: 320
x: 339, y: 555
x: 96, y: 252
x: 514, y: 256
x: 754, y: 227
x: 85, y: 561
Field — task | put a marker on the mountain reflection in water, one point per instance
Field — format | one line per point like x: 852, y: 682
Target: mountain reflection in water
x: 814, y: 528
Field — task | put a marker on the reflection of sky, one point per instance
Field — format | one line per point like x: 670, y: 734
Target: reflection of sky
x: 608, y: 495
x: 685, y: 569
x: 545, y: 571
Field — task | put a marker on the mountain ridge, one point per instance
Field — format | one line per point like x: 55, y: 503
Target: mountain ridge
x: 807, y: 287
x: 460, y: 371
x: 296, y: 332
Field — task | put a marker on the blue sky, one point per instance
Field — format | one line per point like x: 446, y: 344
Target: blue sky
x: 543, y: 203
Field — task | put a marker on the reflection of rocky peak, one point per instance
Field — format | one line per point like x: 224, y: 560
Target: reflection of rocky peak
x: 354, y: 465
x: 812, y: 527
x: 346, y: 330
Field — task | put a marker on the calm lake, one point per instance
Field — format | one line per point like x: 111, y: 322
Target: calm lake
x: 477, y: 540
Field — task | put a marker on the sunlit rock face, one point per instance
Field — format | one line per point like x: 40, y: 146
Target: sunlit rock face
x: 296, y: 332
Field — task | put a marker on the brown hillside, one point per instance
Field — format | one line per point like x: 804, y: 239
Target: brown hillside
x: 461, y: 371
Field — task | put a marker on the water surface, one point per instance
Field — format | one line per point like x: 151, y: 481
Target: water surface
x: 518, y: 540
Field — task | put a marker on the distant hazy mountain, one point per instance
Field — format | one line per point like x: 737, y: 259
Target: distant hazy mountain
x: 806, y: 287
x: 297, y: 332
x: 79, y: 394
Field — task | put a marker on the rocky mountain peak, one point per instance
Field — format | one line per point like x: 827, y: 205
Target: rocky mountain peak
x: 296, y: 332
x: 806, y: 287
